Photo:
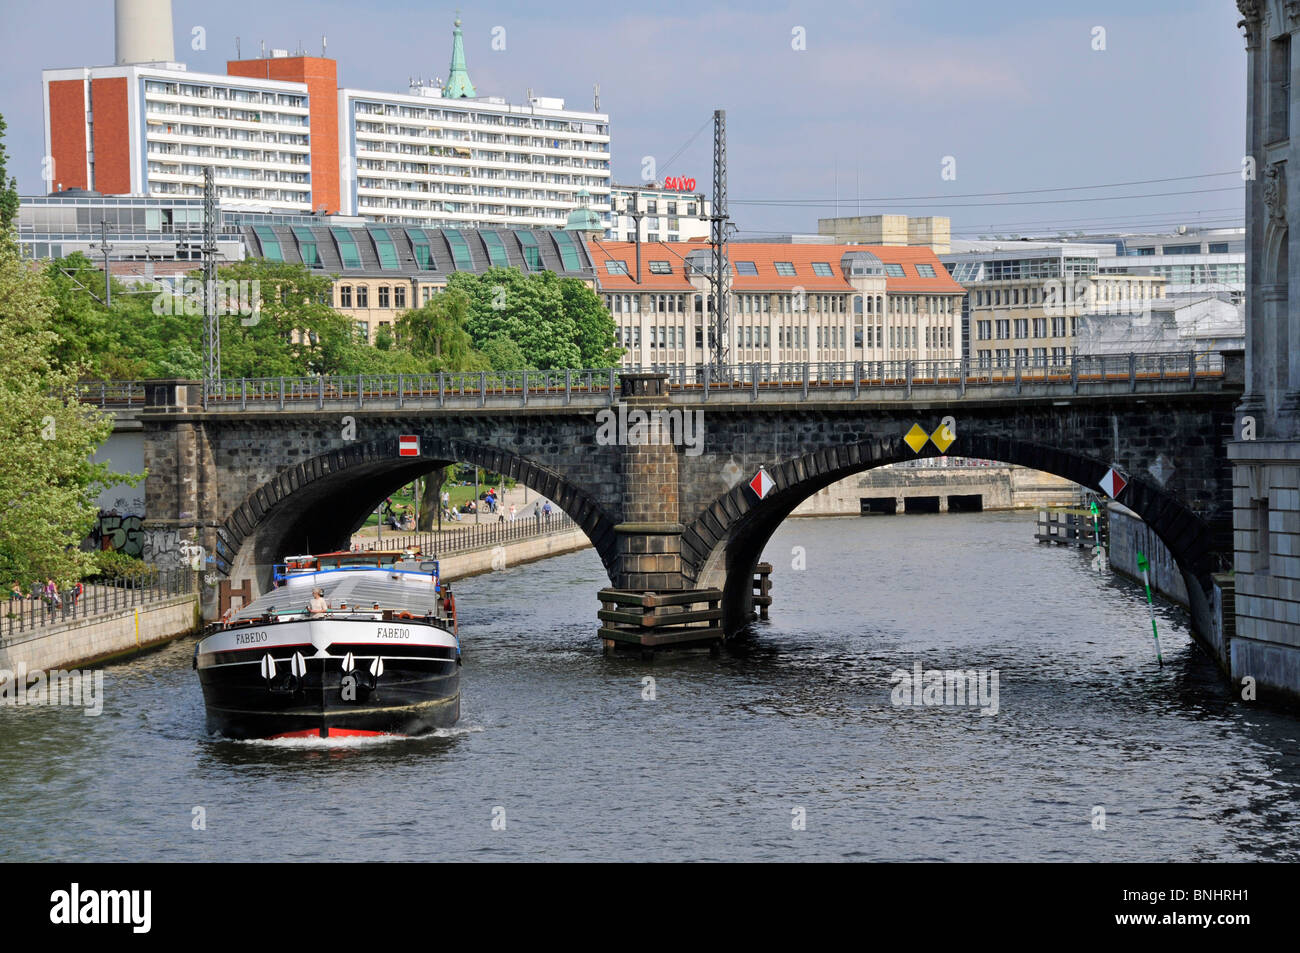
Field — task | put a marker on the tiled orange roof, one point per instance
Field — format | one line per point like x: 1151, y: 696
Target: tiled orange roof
x: 672, y: 252
x: 764, y: 256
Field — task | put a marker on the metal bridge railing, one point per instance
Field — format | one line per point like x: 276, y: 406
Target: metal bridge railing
x: 472, y: 387
x: 30, y: 614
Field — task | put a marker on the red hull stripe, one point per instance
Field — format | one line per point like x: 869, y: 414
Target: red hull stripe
x: 332, y: 733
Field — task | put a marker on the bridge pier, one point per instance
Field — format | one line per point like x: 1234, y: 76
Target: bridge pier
x: 648, y: 571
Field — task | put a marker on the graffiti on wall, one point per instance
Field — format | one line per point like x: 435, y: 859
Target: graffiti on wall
x: 166, y: 549
x: 119, y: 534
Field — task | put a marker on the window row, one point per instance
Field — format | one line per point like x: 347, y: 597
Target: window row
x: 386, y: 296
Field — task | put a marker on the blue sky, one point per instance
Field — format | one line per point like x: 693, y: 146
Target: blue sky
x: 1012, y: 90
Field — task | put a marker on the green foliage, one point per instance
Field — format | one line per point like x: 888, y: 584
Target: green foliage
x: 595, y: 325
x: 111, y: 565
x: 295, y: 332
x: 436, y: 333
x: 503, y: 354
x: 8, y: 188
x: 48, y: 486
x: 501, y: 320
x: 527, y: 309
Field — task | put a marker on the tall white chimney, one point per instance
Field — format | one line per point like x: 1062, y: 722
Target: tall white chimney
x: 144, y: 32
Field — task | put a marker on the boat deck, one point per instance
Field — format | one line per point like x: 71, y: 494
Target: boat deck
x: 403, y: 590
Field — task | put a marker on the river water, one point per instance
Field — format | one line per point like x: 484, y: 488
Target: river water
x: 788, y: 747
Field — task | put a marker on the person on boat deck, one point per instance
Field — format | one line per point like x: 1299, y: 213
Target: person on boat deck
x: 319, y: 605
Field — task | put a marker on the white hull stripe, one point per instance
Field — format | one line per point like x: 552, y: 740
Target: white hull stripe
x: 391, y: 658
x: 321, y: 634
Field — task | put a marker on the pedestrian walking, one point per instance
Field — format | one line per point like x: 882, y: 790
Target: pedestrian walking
x: 512, y: 517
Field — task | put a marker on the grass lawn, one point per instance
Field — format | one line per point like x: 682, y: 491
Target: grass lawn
x: 404, y: 497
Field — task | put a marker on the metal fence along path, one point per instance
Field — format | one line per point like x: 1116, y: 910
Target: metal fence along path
x: 29, y: 615
x: 476, y: 536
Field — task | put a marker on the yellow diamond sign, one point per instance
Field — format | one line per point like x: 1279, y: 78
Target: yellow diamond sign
x: 943, y: 438
x: 916, y: 438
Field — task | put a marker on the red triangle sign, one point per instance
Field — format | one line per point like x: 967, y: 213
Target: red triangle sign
x: 1113, y: 483
x: 761, y: 484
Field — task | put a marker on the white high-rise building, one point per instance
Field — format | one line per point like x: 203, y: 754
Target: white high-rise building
x: 285, y: 138
x: 430, y: 159
x: 666, y: 214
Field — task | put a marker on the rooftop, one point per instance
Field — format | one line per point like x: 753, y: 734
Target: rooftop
x: 762, y: 266
x: 431, y: 253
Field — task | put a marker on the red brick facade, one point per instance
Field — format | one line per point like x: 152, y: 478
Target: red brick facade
x: 112, y: 135
x: 68, y: 134
x: 321, y: 77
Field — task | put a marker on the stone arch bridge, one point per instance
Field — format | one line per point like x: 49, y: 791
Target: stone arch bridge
x: 255, y: 470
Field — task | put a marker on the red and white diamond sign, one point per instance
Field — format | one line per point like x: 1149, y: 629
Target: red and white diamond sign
x: 762, y: 483
x: 1113, y: 483
x: 408, y: 445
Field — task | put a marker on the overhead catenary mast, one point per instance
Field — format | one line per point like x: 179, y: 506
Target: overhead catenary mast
x: 718, y: 226
x: 211, y: 319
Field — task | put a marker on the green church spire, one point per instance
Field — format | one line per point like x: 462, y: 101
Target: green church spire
x: 458, y: 84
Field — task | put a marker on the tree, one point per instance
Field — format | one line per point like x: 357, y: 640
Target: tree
x: 126, y: 341
x: 504, y: 354
x: 293, y: 332
x: 435, y: 331
x: 8, y: 188
x: 48, y: 486
x: 594, y: 322
x: 528, y: 309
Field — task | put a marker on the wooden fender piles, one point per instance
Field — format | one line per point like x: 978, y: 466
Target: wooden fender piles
x: 652, y: 620
x: 762, y: 589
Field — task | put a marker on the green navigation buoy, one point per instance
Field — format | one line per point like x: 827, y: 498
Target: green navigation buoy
x: 1151, y: 609
x: 1096, y: 536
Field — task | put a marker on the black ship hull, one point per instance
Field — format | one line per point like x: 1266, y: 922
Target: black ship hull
x: 410, y: 698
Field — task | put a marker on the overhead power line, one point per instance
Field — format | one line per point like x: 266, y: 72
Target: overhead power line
x: 976, y: 195
x: 1091, y: 198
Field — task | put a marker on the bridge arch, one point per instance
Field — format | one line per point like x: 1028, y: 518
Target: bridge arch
x: 317, y: 503
x: 722, y: 547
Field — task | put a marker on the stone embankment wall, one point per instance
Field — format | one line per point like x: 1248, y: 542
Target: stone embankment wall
x: 97, y: 639
x: 999, y: 488
x: 1128, y: 536
x: 515, y: 553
